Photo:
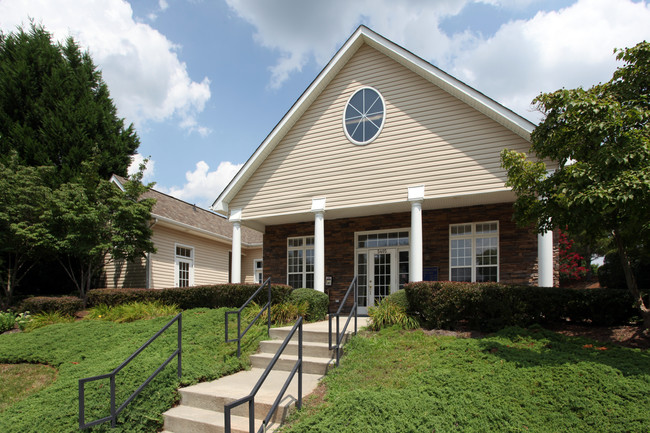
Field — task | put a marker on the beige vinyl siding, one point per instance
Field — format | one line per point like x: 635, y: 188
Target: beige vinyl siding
x: 122, y: 274
x: 429, y: 138
x: 210, y: 258
x: 247, y: 270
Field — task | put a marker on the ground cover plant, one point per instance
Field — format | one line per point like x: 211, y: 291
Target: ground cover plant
x: 92, y: 347
x: 516, y: 380
x: 19, y: 381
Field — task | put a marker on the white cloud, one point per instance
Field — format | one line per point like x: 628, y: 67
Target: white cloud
x: 136, y: 161
x: 147, y: 80
x: 565, y: 48
x: 203, y: 185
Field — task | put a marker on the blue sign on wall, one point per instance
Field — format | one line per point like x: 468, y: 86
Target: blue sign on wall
x: 430, y: 273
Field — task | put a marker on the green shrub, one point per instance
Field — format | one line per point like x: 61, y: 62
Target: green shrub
x: 7, y: 321
x: 66, y: 305
x: 389, y: 313
x: 44, y: 319
x: 281, y: 314
x: 318, y: 303
x: 131, y: 312
x: 492, y: 306
x: 212, y: 296
x: 23, y: 320
x: 399, y: 298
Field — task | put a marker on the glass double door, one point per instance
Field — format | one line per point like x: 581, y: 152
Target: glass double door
x: 380, y: 272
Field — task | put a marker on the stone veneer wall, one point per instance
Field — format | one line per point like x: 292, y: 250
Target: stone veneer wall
x: 517, y: 246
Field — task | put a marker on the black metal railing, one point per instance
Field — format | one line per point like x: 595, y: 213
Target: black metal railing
x: 250, y: 398
x: 266, y: 307
x: 354, y: 288
x: 114, y: 412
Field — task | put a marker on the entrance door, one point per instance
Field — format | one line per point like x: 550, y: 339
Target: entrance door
x: 381, y: 277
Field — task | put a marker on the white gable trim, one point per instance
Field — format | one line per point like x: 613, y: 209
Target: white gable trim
x: 364, y: 35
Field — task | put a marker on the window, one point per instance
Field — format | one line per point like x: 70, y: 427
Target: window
x: 258, y: 271
x: 184, y: 266
x: 300, y: 262
x: 364, y: 116
x: 474, y: 252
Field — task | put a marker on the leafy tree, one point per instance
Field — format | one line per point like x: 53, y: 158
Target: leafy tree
x: 94, y: 222
x: 24, y: 196
x: 600, y: 140
x: 56, y: 110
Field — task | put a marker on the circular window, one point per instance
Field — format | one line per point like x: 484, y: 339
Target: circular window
x: 364, y: 116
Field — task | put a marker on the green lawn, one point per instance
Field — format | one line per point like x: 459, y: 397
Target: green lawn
x: 513, y: 381
x: 88, y: 348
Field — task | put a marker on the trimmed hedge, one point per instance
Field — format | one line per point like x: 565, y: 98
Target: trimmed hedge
x: 492, y: 306
x: 399, y: 298
x: 317, y: 303
x: 66, y: 305
x: 212, y: 296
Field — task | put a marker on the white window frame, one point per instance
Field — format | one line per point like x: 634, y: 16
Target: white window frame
x: 258, y: 272
x: 473, y: 236
x: 178, y: 259
x: 304, y: 248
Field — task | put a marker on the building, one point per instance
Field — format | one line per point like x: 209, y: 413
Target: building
x: 387, y: 169
x: 193, y: 247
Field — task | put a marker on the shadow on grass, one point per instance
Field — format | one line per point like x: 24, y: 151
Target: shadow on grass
x: 536, y: 346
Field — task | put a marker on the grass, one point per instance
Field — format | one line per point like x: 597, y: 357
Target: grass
x: 92, y: 347
x: 514, y: 381
x: 19, y: 381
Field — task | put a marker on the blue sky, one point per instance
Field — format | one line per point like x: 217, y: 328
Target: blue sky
x: 204, y: 81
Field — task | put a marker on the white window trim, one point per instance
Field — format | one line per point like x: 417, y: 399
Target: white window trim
x: 255, y: 279
x: 473, y: 237
x: 304, y: 247
x: 178, y: 259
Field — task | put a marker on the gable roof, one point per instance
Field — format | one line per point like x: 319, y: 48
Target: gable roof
x: 190, y: 217
x: 361, y: 36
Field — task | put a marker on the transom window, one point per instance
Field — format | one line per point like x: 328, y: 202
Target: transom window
x: 364, y: 116
x: 474, y: 252
x: 300, y: 262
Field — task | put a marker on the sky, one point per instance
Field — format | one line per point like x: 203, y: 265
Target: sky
x: 205, y: 81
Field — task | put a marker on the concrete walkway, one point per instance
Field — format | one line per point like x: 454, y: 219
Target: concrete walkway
x: 201, y: 406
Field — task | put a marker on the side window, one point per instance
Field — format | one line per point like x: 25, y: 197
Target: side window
x: 258, y: 270
x: 300, y: 262
x: 474, y: 252
x: 184, y: 266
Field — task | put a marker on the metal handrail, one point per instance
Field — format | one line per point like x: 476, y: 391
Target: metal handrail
x: 116, y: 411
x: 354, y: 287
x: 250, y: 398
x: 266, y: 307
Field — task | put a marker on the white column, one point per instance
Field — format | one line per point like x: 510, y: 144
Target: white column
x: 416, y: 196
x: 318, y: 207
x: 235, y: 270
x: 545, y: 259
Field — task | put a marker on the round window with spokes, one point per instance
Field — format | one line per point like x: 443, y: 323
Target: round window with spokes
x: 364, y: 116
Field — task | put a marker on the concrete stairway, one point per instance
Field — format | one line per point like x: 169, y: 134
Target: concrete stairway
x: 201, y: 406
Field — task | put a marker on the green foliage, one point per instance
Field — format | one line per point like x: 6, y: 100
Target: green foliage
x: 131, y: 312
x: 213, y: 296
x: 19, y: 381
x: 399, y: 298
x: 493, y: 306
x: 56, y: 110
x: 23, y: 320
x: 45, y: 319
x: 389, y: 313
x: 318, y: 303
x: 517, y: 380
x: 7, y: 321
x: 93, y: 221
x: 66, y: 305
x: 600, y: 140
x: 281, y: 314
x: 87, y: 348
x: 23, y: 231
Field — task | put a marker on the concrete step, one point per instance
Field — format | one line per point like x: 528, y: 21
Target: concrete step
x: 319, y: 350
x: 187, y: 419
x: 310, y: 365
x: 213, y: 395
